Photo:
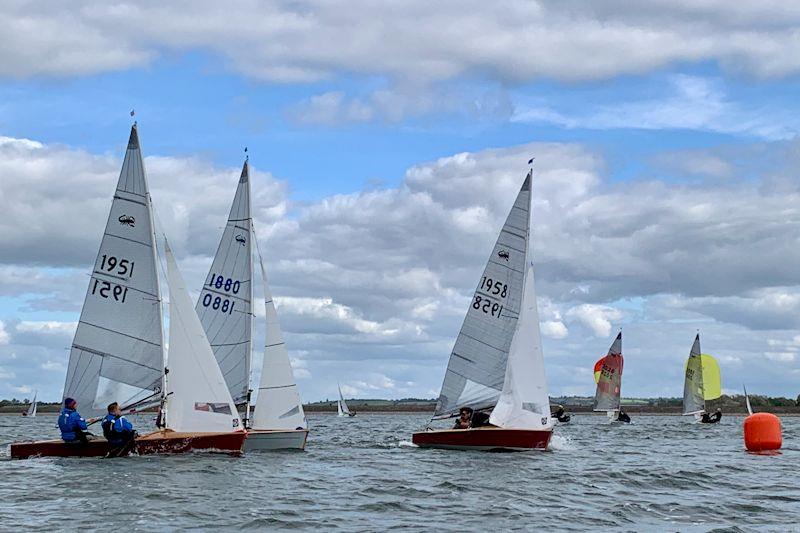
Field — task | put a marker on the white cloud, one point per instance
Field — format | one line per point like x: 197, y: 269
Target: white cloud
x: 3, y: 333
x: 312, y: 40
x: 50, y: 327
x: 598, y: 318
x: 554, y: 329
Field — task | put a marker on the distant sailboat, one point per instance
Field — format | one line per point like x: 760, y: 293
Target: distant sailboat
x: 341, y: 405
x: 225, y: 309
x: 118, y: 350
x: 496, y: 364
x: 608, y: 376
x: 702, y: 381
x: 31, y: 412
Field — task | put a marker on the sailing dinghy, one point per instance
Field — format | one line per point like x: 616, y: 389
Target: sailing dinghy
x: 31, y: 412
x: 702, y: 381
x: 341, y: 405
x: 118, y: 350
x: 225, y: 309
x: 496, y: 364
x: 608, y: 376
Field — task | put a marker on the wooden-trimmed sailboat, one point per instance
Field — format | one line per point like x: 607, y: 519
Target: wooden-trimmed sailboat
x: 497, y: 365
x: 225, y: 309
x: 118, y: 352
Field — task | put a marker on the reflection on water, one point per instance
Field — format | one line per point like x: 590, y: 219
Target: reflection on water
x: 663, y: 473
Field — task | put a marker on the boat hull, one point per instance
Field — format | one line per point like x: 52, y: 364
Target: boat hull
x: 489, y: 439
x: 59, y: 448
x: 172, y: 442
x: 262, y: 440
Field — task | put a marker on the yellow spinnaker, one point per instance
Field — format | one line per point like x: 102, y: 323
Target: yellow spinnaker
x: 712, y: 380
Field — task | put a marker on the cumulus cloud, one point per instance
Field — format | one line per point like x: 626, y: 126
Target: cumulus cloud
x: 311, y: 40
x: 371, y: 287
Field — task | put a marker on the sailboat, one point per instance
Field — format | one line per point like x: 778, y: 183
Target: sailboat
x: 118, y: 352
x: 225, y: 310
x: 497, y: 365
x: 31, y: 412
x: 702, y: 381
x: 341, y: 405
x: 608, y: 376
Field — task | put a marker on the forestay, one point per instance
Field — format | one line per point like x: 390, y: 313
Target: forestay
x: 609, y: 384
x: 476, y: 370
x: 693, y: 398
x: 197, y: 396
x: 224, y: 305
x: 279, y: 405
x: 117, y: 351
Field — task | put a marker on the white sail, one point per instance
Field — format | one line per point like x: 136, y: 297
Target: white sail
x: 117, y: 352
x: 343, y: 409
x: 279, y: 405
x: 694, y: 402
x: 476, y: 372
x: 197, y: 397
x: 32, y: 407
x: 224, y: 305
x: 525, y: 402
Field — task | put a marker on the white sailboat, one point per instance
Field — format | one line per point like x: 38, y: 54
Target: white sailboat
x: 31, y: 412
x: 497, y: 364
x: 341, y: 405
x: 225, y: 310
x: 118, y: 351
x: 702, y: 381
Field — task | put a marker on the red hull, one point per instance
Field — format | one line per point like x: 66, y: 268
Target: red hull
x: 59, y: 448
x: 167, y: 442
x: 485, y: 439
x: 159, y: 442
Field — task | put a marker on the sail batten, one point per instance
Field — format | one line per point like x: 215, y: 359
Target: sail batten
x: 118, y: 349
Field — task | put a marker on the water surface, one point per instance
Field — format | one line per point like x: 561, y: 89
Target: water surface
x: 662, y: 473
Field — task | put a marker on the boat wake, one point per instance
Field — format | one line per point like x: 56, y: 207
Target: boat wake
x: 406, y: 444
x: 561, y: 443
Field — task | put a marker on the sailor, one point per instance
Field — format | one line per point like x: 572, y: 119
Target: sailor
x: 116, y: 428
x: 712, y: 419
x: 623, y: 417
x: 72, y: 425
x: 465, y: 418
x: 561, y: 416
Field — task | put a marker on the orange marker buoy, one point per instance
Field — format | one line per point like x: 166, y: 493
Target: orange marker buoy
x: 762, y: 432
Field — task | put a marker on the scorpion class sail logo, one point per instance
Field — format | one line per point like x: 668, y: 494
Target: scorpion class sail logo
x: 240, y: 239
x: 127, y: 220
x: 502, y: 254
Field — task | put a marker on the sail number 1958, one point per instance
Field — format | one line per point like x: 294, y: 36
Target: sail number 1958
x: 487, y: 306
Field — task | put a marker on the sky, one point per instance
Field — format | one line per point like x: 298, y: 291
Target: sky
x: 387, y: 142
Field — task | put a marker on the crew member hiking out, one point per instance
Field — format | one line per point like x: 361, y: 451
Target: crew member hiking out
x: 712, y: 419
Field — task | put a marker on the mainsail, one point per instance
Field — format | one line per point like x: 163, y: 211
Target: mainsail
x: 702, y: 380
x: 609, y: 383
x: 224, y: 305
x: 117, y: 352
x: 32, y: 408
x: 497, y: 359
x: 279, y: 405
x: 197, y: 397
x: 342, y: 405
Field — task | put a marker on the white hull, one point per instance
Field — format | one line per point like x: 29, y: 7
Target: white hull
x: 275, y: 439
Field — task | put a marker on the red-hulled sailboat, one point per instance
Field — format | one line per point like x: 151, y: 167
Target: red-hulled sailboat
x: 118, y: 350
x: 496, y: 365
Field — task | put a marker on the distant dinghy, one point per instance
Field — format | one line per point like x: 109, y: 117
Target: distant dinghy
x: 608, y: 376
x: 118, y: 352
x: 496, y: 365
x: 225, y: 310
x: 31, y: 412
x: 702, y: 381
x: 341, y: 406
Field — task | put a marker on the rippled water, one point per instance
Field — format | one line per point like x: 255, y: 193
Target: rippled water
x: 663, y: 473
